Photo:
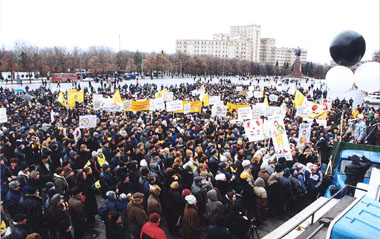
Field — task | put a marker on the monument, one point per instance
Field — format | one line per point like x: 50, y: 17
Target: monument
x: 297, y: 71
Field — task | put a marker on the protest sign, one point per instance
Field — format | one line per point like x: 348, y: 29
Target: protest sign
x: 219, y: 111
x: 214, y: 99
x: 167, y: 96
x: 140, y: 105
x: 304, y: 133
x: 127, y: 104
x: 244, y: 113
x: 186, y: 108
x: 273, y: 98
x: 259, y: 109
x: 87, y: 121
x: 3, y: 115
x: 174, y: 105
x: 254, y: 130
x: 239, y: 88
x: 279, y: 137
x: 258, y: 94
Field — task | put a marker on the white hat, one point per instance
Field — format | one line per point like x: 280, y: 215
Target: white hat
x: 94, y: 154
x: 220, y: 177
x: 143, y: 163
x: 190, y: 199
x: 123, y: 133
x: 99, y: 151
x: 245, y: 163
x: 360, y: 116
x: 223, y: 158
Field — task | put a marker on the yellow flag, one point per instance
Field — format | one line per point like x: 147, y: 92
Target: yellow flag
x: 298, y: 99
x: 266, y: 101
x: 205, y: 100
x: 262, y: 92
x: 161, y: 93
x: 79, y: 96
x: 71, y: 95
x: 61, y: 99
x: 117, y: 98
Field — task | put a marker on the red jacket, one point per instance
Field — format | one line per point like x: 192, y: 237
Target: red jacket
x: 151, y: 230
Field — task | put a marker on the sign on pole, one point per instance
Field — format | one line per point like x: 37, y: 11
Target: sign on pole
x: 3, y: 115
x: 279, y: 137
x: 87, y: 121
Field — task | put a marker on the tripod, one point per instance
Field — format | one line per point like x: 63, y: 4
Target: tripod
x: 253, y: 229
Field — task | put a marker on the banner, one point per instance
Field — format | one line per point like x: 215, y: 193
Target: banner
x: 273, y: 98
x: 213, y: 100
x: 186, y: 108
x: 232, y: 107
x: 298, y: 99
x: 140, y: 105
x: 254, y: 130
x: 127, y: 104
x: 219, y: 111
x: 174, y: 105
x: 196, y: 106
x: 160, y: 93
x: 304, y: 133
x: 244, y: 113
x: 279, y: 137
x: 87, y: 121
x: 110, y: 106
x: 3, y: 115
x: 167, y: 96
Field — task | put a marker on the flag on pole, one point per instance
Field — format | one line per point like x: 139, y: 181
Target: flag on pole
x: 71, y: 97
x: 205, y: 100
x: 79, y: 96
x: 61, y: 99
x: 117, y: 98
x: 266, y: 101
x: 298, y: 99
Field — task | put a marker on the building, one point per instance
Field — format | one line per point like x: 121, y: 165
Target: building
x: 244, y: 43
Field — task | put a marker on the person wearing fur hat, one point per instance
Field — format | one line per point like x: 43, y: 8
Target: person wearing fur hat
x: 191, y: 222
x: 136, y: 215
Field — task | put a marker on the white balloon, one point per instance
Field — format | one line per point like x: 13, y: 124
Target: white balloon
x: 367, y: 77
x: 339, y: 78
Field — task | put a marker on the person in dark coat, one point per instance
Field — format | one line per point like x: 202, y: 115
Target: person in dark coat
x: 78, y: 213
x: 248, y: 194
x: 116, y: 229
x: 12, y: 199
x: 200, y: 195
x: 214, y: 207
x: 32, y: 207
x: 355, y: 172
x: 45, y: 169
x: 285, y: 187
x: 20, y: 230
x: 174, y: 207
x: 136, y: 215
x: 85, y: 182
x: 58, y: 219
x: 219, y: 230
x: 106, y: 179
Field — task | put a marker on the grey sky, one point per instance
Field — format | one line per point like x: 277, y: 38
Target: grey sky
x: 154, y: 25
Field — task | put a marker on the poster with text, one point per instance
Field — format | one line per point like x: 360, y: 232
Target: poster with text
x: 279, y: 137
x: 245, y: 113
x: 87, y: 121
x: 3, y: 115
x: 254, y: 130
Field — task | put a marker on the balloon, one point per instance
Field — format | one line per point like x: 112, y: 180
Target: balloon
x: 339, y: 78
x: 347, y: 48
x: 367, y: 76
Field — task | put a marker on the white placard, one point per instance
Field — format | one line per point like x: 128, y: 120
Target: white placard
x: 52, y: 116
x: 259, y: 109
x: 127, y: 104
x: 292, y: 91
x: 196, y: 92
x: 3, y: 115
x: 219, y: 110
x: 273, y: 98
x: 174, y: 105
x: 167, y: 96
x: 87, y: 121
x: 213, y: 100
x: 257, y: 94
x: 272, y: 111
x: 279, y: 137
x: 186, y: 108
x: 304, y: 133
x: 239, y: 88
x: 327, y: 104
x: 254, y: 130
x: 245, y: 113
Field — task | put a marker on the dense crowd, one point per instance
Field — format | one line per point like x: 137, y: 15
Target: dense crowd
x: 183, y: 173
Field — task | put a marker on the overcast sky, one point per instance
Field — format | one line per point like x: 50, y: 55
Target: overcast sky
x: 154, y: 25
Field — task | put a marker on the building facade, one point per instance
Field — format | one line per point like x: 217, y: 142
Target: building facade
x: 244, y: 43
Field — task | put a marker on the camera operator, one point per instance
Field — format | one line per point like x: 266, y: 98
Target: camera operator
x: 355, y: 172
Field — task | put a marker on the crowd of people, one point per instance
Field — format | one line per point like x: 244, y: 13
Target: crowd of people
x: 160, y: 173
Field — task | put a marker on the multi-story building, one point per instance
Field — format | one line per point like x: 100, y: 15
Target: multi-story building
x: 243, y: 42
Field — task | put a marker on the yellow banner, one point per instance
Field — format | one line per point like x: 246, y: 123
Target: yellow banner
x: 196, y: 106
x: 140, y: 105
x: 231, y: 107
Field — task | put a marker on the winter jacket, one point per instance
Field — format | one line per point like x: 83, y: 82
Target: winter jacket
x: 12, y: 201
x: 355, y: 172
x: 20, y: 232
x: 191, y: 223
x: 32, y: 206
x: 115, y: 231
x: 136, y: 218
x: 214, y: 207
x: 151, y: 230
x: 315, y: 180
x: 61, y: 185
x: 77, y: 211
x: 359, y: 130
x: 216, y: 232
x: 154, y: 205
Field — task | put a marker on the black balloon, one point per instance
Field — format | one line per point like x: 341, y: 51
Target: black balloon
x: 347, y: 48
